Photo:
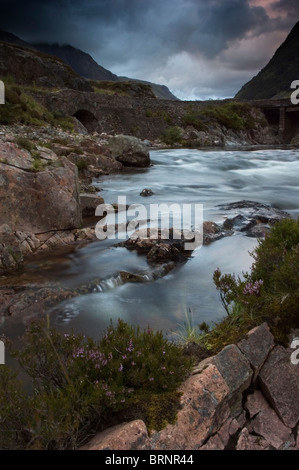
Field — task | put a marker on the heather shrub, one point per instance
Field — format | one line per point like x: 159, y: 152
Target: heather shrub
x: 270, y: 292
x: 79, y: 384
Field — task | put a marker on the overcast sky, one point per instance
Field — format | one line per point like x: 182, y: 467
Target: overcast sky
x: 200, y: 49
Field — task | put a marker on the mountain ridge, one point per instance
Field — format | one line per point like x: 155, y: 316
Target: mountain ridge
x: 83, y: 63
x: 274, y: 80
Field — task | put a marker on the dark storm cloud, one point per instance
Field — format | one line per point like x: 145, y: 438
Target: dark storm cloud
x: 150, y: 38
x: 196, y: 26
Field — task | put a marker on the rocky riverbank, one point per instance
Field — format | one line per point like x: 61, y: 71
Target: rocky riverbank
x: 244, y: 398
x: 47, y: 198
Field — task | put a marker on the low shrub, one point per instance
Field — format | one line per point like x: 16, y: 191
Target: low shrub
x: 270, y: 292
x: 172, y: 135
x: 79, y: 384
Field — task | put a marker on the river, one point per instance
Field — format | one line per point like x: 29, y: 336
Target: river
x: 208, y: 177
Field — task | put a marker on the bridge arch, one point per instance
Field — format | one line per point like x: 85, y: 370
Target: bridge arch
x: 88, y: 119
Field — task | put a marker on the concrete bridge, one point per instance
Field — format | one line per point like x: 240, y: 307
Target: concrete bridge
x: 281, y: 113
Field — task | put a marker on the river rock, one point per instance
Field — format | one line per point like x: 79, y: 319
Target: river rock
x: 212, y: 232
x: 146, y: 192
x: 253, y: 218
x: 129, y: 151
x: 41, y: 201
x: 89, y: 203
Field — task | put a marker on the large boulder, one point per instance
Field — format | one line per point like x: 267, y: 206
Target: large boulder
x: 129, y: 151
x: 41, y: 201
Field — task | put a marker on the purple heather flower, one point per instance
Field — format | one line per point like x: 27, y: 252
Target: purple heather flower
x: 151, y: 379
x: 120, y: 368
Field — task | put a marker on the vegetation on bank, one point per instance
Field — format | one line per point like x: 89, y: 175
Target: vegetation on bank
x: 268, y: 293
x: 122, y: 88
x: 232, y: 115
x: 80, y: 385
x: 21, y: 107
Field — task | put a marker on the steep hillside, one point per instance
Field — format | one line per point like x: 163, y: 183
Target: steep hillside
x: 274, y: 80
x: 12, y: 39
x: 81, y: 62
x: 28, y: 67
x: 160, y: 91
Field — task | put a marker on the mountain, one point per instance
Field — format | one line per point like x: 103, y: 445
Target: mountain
x: 274, y: 80
x: 81, y: 62
x: 32, y: 67
x: 12, y: 39
x: 160, y: 91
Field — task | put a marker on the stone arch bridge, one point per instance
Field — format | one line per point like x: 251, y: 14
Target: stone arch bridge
x: 149, y: 117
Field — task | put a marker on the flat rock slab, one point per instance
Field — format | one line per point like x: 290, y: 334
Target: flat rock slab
x: 279, y: 380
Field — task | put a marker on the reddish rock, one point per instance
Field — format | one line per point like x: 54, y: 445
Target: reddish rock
x: 279, y: 380
x: 91, y: 147
x: 126, y: 436
x: 42, y: 201
x: 266, y: 422
x: 255, y: 403
x: 230, y: 428
x: 214, y: 443
x: 248, y: 441
x: 204, y: 410
x: 257, y: 346
x: 12, y: 155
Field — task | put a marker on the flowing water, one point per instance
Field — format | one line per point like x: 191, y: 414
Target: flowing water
x: 208, y: 177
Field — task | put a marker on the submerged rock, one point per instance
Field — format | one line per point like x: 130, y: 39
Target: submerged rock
x: 146, y: 192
